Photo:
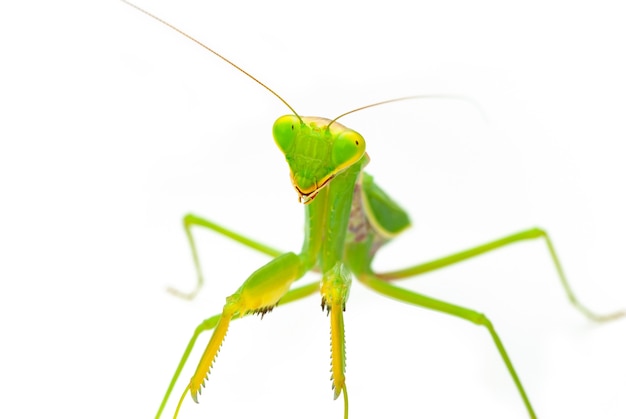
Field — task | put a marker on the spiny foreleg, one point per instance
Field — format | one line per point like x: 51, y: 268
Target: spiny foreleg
x: 260, y: 293
x: 335, y: 290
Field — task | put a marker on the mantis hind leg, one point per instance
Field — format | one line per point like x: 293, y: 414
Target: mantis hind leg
x: 398, y: 293
x: 530, y: 234
x: 191, y: 220
x: 211, y: 322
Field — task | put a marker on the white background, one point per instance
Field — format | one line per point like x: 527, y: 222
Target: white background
x: 113, y: 126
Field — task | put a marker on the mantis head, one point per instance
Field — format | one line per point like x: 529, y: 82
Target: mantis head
x: 316, y: 151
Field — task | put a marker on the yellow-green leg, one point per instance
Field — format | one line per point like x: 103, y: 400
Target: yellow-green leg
x: 211, y: 322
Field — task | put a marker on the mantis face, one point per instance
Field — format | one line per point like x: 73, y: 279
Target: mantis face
x: 315, y: 151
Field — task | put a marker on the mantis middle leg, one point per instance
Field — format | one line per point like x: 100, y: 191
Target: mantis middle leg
x: 530, y: 234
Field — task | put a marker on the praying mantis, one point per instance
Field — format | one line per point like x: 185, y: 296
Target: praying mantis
x: 348, y: 218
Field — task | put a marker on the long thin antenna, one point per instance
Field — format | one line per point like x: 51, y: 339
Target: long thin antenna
x: 416, y: 97
x: 214, y: 53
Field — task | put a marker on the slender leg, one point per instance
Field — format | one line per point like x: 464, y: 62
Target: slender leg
x: 211, y: 322
x: 475, y: 317
x: 530, y: 234
x: 191, y: 220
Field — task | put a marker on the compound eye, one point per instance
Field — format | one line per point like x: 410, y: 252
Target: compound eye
x: 285, y: 130
x: 348, y: 148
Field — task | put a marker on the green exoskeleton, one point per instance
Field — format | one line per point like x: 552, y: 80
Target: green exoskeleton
x: 348, y: 217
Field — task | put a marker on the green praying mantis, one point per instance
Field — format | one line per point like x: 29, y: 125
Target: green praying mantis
x: 348, y: 218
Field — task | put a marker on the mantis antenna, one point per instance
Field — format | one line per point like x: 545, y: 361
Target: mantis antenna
x: 217, y: 54
x: 415, y: 97
x: 214, y: 53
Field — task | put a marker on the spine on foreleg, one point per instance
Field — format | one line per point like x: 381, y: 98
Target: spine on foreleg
x: 337, y: 349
